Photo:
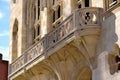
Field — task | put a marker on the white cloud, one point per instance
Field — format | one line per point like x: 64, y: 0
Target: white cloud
x: 1, y: 15
x: 5, y: 52
x: 4, y: 33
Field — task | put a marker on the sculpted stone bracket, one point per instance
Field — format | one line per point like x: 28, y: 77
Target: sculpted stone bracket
x: 86, y: 41
x: 114, y: 59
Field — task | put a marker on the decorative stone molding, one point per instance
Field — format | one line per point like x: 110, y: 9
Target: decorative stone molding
x: 114, y: 59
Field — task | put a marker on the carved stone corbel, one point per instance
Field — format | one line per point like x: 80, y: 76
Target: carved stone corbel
x: 86, y: 41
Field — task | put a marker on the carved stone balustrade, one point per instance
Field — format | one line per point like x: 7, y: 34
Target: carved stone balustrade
x: 85, y: 17
x: 89, y: 16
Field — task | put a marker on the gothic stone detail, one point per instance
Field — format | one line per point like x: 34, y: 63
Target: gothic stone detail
x: 66, y: 64
x: 83, y: 41
x: 77, y: 58
x: 114, y: 59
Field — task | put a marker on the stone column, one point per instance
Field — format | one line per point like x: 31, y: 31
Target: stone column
x: 95, y: 3
x: 43, y: 18
x: 102, y: 70
x: 68, y: 6
x: 36, y: 10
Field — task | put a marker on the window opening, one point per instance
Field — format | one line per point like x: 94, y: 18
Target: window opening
x: 59, y: 12
x: 86, y: 3
x: 15, y: 40
x: 53, y: 16
x: 34, y: 14
x: 38, y: 30
x: 38, y: 9
x: 53, y: 2
x: 79, y: 6
x: 34, y: 34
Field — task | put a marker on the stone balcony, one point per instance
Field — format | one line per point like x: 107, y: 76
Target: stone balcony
x: 57, y: 38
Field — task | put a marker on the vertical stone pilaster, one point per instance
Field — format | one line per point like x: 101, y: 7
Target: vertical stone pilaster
x: 43, y: 19
x: 95, y: 3
x: 67, y: 8
x: 36, y: 10
x: 102, y: 70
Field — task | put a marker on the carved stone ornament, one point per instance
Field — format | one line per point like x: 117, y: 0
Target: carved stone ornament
x: 114, y: 59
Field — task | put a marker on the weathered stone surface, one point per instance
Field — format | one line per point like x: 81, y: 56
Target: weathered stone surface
x: 64, y: 40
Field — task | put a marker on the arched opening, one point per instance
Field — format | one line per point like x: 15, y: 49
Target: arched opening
x: 34, y: 11
x: 56, y: 14
x: 38, y: 9
x: 82, y: 72
x: 39, y: 72
x: 53, y: 16
x: 38, y: 30
x: 86, y: 3
x: 79, y: 6
x: 34, y: 34
x: 59, y: 12
x: 15, y: 40
x: 53, y: 2
x: 86, y: 74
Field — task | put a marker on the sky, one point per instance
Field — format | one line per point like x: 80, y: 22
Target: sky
x: 4, y: 28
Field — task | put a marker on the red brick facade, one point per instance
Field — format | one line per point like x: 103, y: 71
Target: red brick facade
x: 3, y: 69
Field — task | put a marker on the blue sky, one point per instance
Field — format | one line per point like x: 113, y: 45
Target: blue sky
x: 4, y: 28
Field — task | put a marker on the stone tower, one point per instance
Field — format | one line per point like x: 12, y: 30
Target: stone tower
x: 64, y: 40
x: 17, y: 28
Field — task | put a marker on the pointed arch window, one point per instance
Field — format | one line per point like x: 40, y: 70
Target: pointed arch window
x: 57, y: 14
x: 15, y: 40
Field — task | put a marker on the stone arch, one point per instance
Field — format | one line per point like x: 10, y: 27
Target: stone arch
x: 15, y: 40
x: 41, y: 71
x: 82, y: 72
x: 53, y: 68
x: 59, y: 11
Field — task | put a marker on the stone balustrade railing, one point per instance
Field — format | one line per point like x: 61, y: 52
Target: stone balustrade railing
x: 80, y: 18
